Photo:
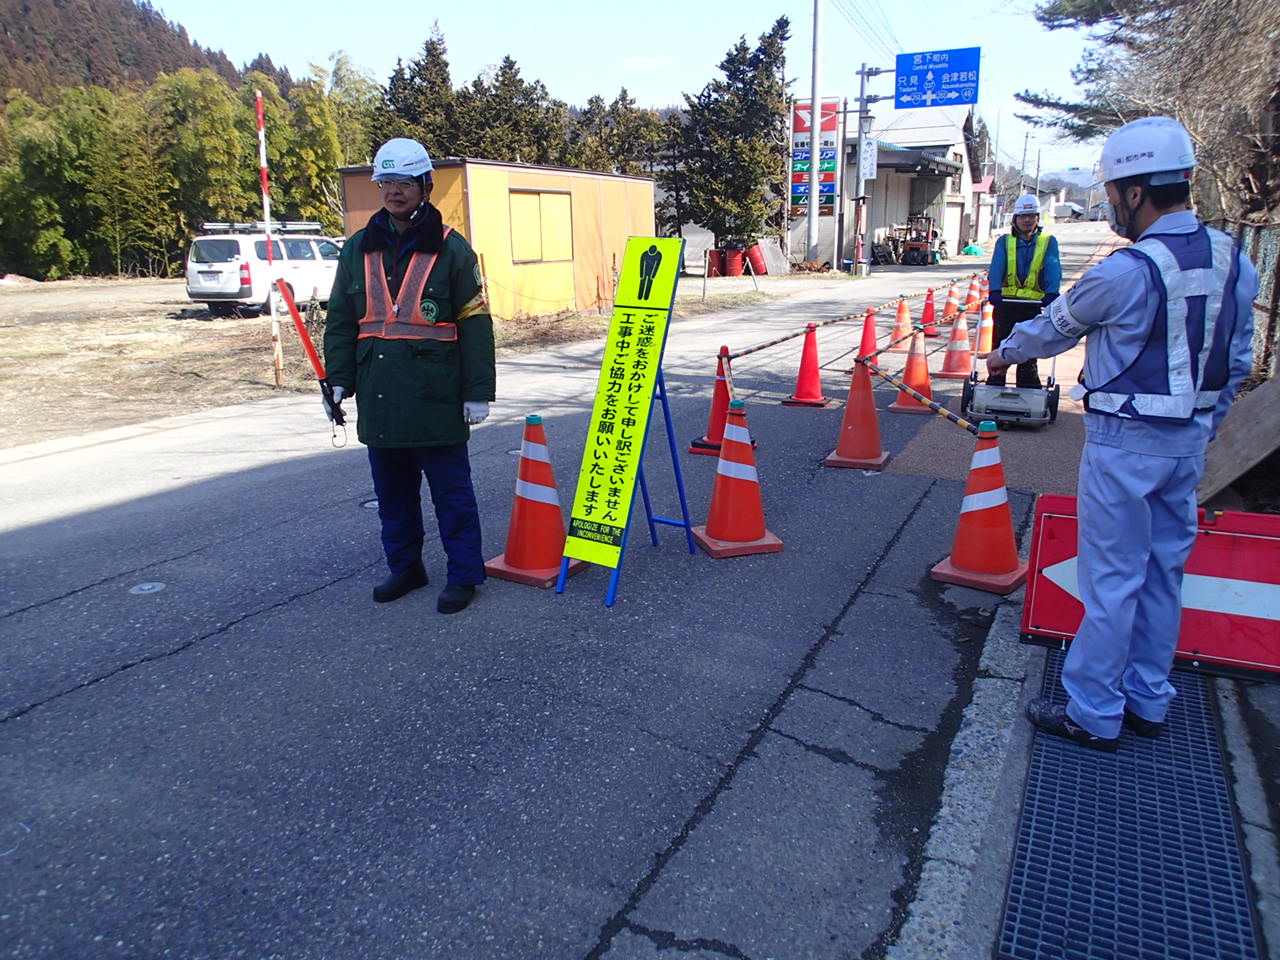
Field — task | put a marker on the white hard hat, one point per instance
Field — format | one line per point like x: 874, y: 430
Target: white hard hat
x: 1027, y: 203
x: 399, y: 159
x: 1159, y: 146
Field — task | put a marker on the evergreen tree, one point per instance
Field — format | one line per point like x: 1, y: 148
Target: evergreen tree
x: 732, y: 148
x: 1166, y: 57
x: 589, y: 137
x: 635, y: 136
x: 509, y: 118
x: 418, y: 101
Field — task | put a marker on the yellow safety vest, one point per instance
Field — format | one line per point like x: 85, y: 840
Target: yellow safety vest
x: 1030, y: 287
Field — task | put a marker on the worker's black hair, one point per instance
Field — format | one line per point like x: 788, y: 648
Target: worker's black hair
x: 1164, y: 196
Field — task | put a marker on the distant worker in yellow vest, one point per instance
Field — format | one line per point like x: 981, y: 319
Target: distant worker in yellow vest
x: 1026, y: 273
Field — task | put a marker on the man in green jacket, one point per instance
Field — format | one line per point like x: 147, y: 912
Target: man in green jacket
x: 408, y: 333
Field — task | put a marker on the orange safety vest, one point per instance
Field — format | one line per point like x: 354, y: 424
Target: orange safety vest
x: 403, y: 319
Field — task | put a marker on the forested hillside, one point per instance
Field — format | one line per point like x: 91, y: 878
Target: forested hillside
x: 109, y: 43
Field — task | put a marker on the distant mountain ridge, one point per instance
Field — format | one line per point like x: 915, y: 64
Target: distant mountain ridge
x: 111, y: 43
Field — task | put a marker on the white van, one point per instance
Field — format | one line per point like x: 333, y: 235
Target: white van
x: 227, y: 264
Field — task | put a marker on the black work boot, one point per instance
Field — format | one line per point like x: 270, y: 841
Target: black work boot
x: 1053, y: 719
x: 398, y: 584
x: 455, y: 597
x: 1142, y: 726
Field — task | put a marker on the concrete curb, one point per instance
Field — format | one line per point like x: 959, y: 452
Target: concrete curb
x: 960, y: 896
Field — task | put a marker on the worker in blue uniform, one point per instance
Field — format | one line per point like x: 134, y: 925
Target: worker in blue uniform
x: 1025, y: 276
x: 1169, y: 323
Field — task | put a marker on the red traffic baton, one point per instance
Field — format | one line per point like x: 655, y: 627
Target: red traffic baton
x: 326, y: 391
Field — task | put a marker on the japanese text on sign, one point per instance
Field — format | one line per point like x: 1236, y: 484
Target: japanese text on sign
x: 937, y: 79
x: 624, y: 397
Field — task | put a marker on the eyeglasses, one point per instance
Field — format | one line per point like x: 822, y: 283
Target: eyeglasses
x: 398, y: 186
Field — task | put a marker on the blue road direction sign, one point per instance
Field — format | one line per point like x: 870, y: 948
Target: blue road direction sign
x: 941, y: 78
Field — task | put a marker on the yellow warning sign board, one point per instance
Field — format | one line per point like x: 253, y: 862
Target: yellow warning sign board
x: 624, y: 397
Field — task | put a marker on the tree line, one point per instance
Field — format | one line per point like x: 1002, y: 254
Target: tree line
x: 1212, y: 64
x: 99, y: 181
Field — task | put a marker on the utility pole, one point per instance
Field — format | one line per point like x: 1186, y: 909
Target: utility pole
x: 1022, y: 176
x: 815, y: 126
x: 862, y: 209
x: 1037, y: 175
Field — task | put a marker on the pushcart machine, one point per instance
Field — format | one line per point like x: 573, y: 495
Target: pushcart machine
x: 1009, y: 405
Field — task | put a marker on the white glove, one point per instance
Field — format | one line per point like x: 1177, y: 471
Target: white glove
x: 338, y: 394
x: 475, y: 411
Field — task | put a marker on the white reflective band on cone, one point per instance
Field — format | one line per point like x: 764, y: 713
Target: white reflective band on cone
x: 537, y: 492
x: 736, y: 433
x: 985, y: 458
x: 739, y: 471
x: 981, y: 501
x: 534, y: 451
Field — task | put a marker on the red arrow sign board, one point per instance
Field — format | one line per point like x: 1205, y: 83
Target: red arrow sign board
x: 1230, y: 591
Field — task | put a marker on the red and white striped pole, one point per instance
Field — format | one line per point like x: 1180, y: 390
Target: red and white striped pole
x: 277, y: 351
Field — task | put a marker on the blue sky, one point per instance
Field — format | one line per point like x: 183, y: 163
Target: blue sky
x: 659, y: 49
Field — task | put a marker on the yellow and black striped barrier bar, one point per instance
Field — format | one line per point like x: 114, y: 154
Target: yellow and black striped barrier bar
x: 933, y: 405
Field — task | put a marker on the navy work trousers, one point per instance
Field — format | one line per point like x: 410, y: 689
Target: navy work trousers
x: 397, y: 481
x: 1007, y: 316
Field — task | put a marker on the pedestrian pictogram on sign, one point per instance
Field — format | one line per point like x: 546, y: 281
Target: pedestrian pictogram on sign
x: 1230, y: 591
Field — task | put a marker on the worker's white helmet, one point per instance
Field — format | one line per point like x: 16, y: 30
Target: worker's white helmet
x: 399, y: 159
x: 1027, y: 203
x: 1158, y: 146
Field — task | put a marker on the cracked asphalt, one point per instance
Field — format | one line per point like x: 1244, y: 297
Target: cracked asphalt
x: 742, y: 758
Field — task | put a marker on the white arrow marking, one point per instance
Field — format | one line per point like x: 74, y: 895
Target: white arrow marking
x: 1236, y: 598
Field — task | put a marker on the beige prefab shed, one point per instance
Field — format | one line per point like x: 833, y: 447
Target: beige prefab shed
x: 550, y: 239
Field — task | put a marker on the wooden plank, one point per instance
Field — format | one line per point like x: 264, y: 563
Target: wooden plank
x: 1250, y: 432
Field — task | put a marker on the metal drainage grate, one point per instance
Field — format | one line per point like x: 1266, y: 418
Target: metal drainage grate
x: 1133, y: 855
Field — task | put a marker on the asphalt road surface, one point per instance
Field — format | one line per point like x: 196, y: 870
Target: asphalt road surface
x: 213, y: 744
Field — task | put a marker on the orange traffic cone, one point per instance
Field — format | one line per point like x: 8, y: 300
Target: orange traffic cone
x: 859, y: 441
x: 709, y: 442
x: 959, y: 358
x: 986, y: 330
x: 984, y: 555
x: 984, y: 291
x: 901, y: 327
x: 808, y: 381
x: 972, y: 299
x: 952, y: 308
x: 868, y: 345
x: 735, y: 525
x: 916, y: 376
x: 535, y: 536
x: 926, y: 316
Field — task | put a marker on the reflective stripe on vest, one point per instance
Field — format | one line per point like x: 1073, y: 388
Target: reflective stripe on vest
x: 1167, y: 360
x: 1029, y: 289
x: 403, y: 319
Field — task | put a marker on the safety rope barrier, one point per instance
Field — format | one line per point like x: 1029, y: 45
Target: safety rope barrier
x: 826, y: 323
x: 933, y: 405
